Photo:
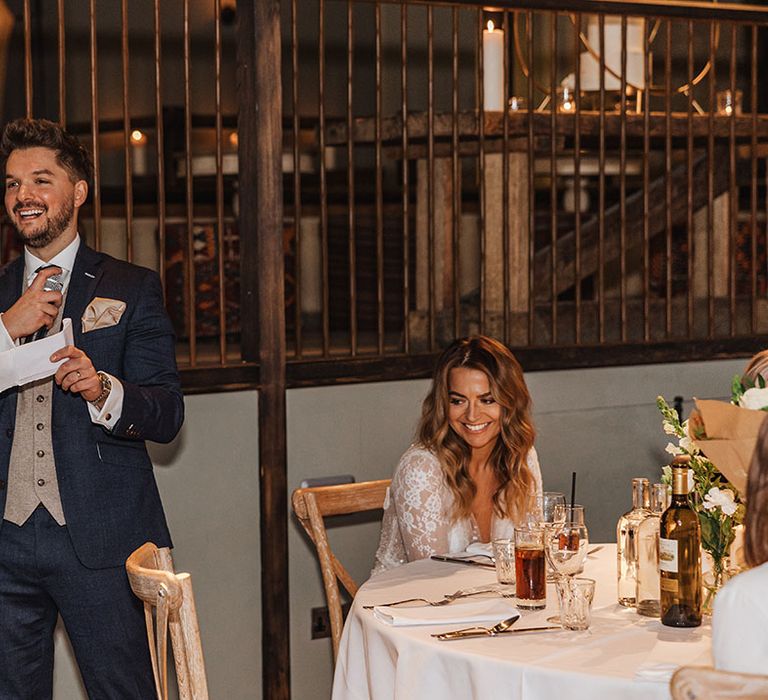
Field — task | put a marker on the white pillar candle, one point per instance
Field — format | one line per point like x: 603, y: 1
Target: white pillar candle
x: 138, y: 152
x: 493, y: 68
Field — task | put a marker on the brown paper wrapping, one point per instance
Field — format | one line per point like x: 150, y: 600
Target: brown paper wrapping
x: 731, y: 434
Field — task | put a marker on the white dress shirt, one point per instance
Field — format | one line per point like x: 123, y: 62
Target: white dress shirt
x: 740, y: 623
x: 112, y: 409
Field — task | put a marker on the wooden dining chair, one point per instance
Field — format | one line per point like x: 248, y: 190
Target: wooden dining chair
x: 704, y: 683
x: 169, y: 605
x: 313, y: 504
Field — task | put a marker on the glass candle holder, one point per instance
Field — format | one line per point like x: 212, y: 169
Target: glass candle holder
x: 729, y: 102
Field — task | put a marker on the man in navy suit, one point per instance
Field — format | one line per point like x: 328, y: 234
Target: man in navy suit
x: 77, y: 490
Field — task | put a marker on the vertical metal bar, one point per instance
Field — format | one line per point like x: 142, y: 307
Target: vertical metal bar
x: 689, y: 188
x: 553, y: 104
x: 191, y: 281
x: 456, y: 222
x: 94, y: 124
x: 28, y: 82
x: 296, y: 122
x: 668, y: 179
x: 481, y: 159
x: 405, y: 176
x: 577, y: 185
x: 733, y: 199
x: 531, y: 157
x: 160, y: 138
x: 623, y: 184
x: 323, y: 178
x: 62, y: 64
x: 505, y: 233
x: 601, y: 188
x: 431, y: 173
x: 646, y: 189
x: 379, y: 194
x: 219, y: 186
x: 711, y: 165
x: 351, y: 245
x: 125, y: 56
x: 753, y: 179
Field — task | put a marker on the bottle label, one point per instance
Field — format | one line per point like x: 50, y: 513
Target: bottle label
x: 670, y: 585
x: 668, y: 555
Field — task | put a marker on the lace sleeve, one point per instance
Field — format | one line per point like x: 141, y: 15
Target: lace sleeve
x: 533, y: 464
x: 421, y: 500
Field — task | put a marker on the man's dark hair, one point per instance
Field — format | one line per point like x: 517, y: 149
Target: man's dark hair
x: 41, y: 133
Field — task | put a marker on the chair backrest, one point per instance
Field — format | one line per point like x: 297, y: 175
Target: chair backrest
x: 703, y: 683
x: 311, y: 505
x: 169, y: 596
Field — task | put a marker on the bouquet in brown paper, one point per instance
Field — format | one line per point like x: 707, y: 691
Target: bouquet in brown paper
x: 726, y: 435
x: 718, y: 475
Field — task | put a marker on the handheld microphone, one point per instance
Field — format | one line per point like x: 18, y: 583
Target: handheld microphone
x: 52, y: 284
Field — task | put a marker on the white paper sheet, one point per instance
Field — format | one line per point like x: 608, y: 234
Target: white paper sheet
x: 30, y: 362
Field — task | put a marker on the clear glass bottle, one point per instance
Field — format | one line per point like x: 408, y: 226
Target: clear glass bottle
x: 626, y: 541
x: 648, y: 554
x: 680, y: 555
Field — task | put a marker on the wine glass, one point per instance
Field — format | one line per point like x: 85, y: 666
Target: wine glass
x: 565, y: 547
x: 546, y: 506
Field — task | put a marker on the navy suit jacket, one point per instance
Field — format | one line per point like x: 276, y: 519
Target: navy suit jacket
x: 106, y: 481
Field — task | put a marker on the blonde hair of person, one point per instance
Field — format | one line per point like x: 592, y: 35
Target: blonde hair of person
x: 517, y: 489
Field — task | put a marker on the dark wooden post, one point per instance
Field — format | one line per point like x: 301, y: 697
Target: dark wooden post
x: 263, y: 317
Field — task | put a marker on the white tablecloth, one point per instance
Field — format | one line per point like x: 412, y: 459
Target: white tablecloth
x: 377, y: 661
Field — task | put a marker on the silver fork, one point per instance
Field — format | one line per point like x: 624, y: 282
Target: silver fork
x: 448, y: 598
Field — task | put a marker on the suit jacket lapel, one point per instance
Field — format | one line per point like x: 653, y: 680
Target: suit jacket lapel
x: 85, y: 276
x: 11, y: 282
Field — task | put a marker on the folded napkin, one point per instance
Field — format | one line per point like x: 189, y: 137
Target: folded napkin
x: 480, y: 548
x: 102, y: 313
x: 655, y: 673
x: 460, y: 613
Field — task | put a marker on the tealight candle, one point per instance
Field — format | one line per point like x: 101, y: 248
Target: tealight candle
x: 493, y: 68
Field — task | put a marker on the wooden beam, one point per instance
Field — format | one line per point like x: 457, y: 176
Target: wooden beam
x: 364, y: 128
x: 261, y: 223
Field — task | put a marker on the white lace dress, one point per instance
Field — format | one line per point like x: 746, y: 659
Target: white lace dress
x: 417, y: 510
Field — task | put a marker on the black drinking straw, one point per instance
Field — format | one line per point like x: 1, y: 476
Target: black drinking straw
x: 573, y: 489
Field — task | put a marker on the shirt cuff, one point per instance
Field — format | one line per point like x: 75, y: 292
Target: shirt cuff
x: 113, y: 407
x: 6, y: 342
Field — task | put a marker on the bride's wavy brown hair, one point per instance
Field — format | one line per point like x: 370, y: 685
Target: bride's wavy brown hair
x: 517, y: 489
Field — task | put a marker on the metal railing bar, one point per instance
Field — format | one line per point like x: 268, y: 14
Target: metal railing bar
x: 160, y: 138
x: 128, y: 165
x: 623, y: 183
x: 219, y: 185
x: 379, y: 196
x: 296, y: 126
x: 189, y: 184
x: 577, y: 184
x: 601, y: 188
x: 553, y: 107
x: 351, y: 232
x: 323, y: 180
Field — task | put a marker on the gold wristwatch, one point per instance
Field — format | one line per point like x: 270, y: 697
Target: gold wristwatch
x: 106, y: 388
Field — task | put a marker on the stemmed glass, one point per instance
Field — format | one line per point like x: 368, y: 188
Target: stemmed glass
x: 566, y: 544
x: 546, y: 506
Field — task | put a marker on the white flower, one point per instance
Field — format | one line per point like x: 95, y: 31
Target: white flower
x: 720, y: 498
x: 754, y: 398
x: 669, y: 429
x: 687, y: 444
x: 673, y: 449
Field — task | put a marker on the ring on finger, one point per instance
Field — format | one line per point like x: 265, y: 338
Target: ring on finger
x: 78, y: 374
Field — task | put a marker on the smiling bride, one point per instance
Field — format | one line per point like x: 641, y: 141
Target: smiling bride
x: 473, y: 473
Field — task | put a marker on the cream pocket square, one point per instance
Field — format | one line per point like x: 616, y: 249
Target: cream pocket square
x: 102, y: 313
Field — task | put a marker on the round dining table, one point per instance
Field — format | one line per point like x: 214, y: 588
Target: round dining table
x: 621, y: 656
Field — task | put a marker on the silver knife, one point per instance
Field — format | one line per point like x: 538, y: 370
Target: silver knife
x: 458, y: 560
x: 447, y: 636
